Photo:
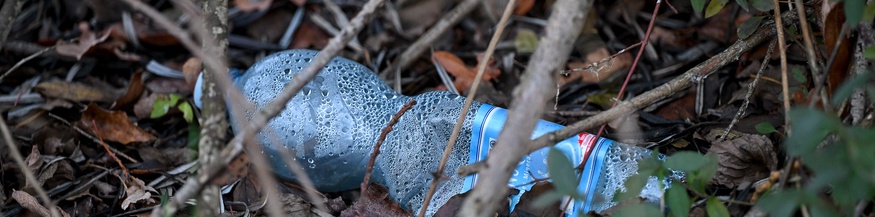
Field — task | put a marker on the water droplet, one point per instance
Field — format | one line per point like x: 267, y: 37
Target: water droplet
x: 312, y: 166
x: 309, y: 160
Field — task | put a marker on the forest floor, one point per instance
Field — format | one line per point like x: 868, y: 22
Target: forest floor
x: 99, y: 114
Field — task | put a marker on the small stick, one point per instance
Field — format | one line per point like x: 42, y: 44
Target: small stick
x: 106, y: 147
x: 750, y: 88
x: 382, y: 138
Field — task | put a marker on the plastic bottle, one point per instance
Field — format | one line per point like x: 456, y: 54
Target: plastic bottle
x: 335, y: 120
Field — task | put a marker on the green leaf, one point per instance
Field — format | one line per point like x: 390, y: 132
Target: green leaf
x: 744, y: 5
x: 854, y: 11
x: 780, y: 204
x: 549, y: 198
x: 686, y: 161
x: 174, y: 98
x: 869, y: 13
x: 160, y: 107
x: 678, y: 200
x: 634, y: 185
x: 526, y: 41
x: 638, y: 209
x: 561, y: 172
x: 713, y: 8
x: 749, y: 26
x: 765, y: 128
x: 763, y: 5
x: 798, y: 75
x: 810, y: 127
x: 187, y: 111
x: 698, y: 5
x: 715, y: 208
x: 869, y: 53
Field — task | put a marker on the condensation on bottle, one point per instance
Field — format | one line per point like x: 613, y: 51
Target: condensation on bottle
x: 332, y: 124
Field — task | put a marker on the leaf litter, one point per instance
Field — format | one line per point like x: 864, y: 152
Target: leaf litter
x: 96, y: 78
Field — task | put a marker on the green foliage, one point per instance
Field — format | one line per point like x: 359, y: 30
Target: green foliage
x: 763, y: 5
x: 678, y: 201
x: 698, y: 5
x: 715, y: 208
x: 749, y: 26
x: 869, y: 53
x: 714, y: 7
x: 765, y: 128
x: 854, y: 11
x: 841, y: 166
x: 162, y: 105
x: 562, y: 173
x: 798, y: 75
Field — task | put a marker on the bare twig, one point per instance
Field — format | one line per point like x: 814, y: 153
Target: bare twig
x: 806, y: 37
x: 562, y: 30
x: 481, y: 68
x: 782, y: 49
x: 22, y: 61
x: 235, y: 146
x: 386, y: 131
x: 28, y: 175
x: 427, y: 39
x: 750, y: 88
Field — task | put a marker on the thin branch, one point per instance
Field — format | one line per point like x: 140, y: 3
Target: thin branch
x: 386, y: 131
x: 481, y: 68
x: 563, y: 28
x: 750, y: 88
x: 8, y: 13
x: 782, y: 51
x: 235, y: 146
x: 426, y: 40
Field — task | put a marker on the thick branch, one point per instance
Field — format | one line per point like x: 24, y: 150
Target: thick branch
x: 540, y: 77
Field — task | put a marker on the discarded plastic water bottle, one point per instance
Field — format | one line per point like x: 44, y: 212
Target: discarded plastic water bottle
x: 335, y: 120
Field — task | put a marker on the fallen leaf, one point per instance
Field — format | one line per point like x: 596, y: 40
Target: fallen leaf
x: 143, y: 107
x: 745, y: 158
x: 247, y: 190
x: 86, y: 40
x: 30, y: 203
x: 309, y: 36
x: 464, y: 75
x: 136, y: 191
x: 74, y: 91
x: 597, y: 66
x: 375, y: 202
x: 135, y: 91
x: 191, y: 69
x: 251, y: 5
x: 838, y: 71
x: 112, y: 125
x: 34, y: 160
x: 169, y: 85
x: 523, y: 7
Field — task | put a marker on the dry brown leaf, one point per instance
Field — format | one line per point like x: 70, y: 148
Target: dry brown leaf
x: 112, y: 125
x: 464, y: 75
x: 238, y: 168
x: 143, y: 107
x: 74, y: 91
x: 251, y: 5
x: 600, y: 71
x: 745, y: 158
x: 309, y: 36
x: 34, y: 160
x: 169, y: 85
x: 135, y: 90
x: 523, y: 7
x: 247, y: 190
x: 191, y: 69
x: 375, y: 202
x: 30, y: 203
x: 136, y: 191
x: 294, y: 205
x: 832, y: 28
x: 86, y: 40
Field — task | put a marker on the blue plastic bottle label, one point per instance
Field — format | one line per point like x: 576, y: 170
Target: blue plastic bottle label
x: 486, y: 127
